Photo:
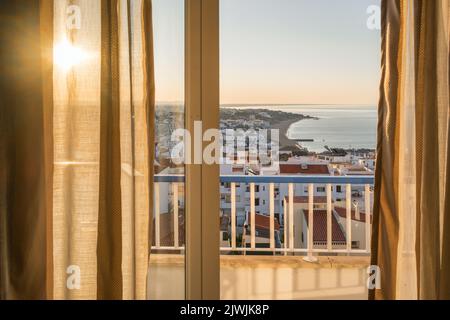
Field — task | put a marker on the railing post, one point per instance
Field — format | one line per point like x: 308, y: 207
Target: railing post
x: 329, y: 219
x: 285, y: 219
x: 368, y: 217
x: 157, y: 217
x: 233, y: 215
x: 175, y: 215
x: 244, y: 241
x: 310, y: 257
x: 348, y: 230
x: 272, y: 215
x: 252, y: 217
x: 291, y: 217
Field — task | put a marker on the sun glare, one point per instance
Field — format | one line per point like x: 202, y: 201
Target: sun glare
x: 67, y: 56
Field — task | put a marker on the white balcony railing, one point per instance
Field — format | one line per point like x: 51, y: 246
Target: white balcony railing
x: 289, y: 241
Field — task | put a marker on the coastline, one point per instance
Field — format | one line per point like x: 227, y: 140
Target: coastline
x: 263, y: 118
x: 283, y: 127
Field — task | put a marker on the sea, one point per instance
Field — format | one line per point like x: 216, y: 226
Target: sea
x: 338, y: 126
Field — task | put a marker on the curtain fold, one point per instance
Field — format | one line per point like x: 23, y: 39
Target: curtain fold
x: 385, y: 189
x: 76, y: 142
x: 25, y: 152
x: 109, y: 246
x: 411, y: 212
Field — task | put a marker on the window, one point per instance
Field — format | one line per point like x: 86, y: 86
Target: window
x: 310, y: 69
x: 355, y: 245
x: 169, y: 46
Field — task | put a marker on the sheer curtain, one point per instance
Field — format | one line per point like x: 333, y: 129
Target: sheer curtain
x: 411, y: 236
x: 77, y: 113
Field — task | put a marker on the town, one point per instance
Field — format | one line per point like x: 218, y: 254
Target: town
x: 239, y: 198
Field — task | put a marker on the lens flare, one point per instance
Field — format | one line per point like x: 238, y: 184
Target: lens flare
x: 66, y: 56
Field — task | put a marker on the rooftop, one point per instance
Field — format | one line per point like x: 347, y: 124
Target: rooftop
x: 320, y: 227
x: 224, y: 222
x: 263, y: 222
x: 166, y: 229
x: 342, y: 212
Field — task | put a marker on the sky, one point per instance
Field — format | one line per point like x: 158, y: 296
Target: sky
x: 279, y: 52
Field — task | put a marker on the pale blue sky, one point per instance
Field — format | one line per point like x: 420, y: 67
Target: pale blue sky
x: 279, y: 51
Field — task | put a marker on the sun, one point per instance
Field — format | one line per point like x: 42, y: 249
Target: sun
x: 66, y: 55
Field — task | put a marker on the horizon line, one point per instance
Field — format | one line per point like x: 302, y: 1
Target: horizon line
x: 278, y: 104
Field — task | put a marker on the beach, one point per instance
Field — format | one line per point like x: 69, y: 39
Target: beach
x: 283, y: 128
x: 336, y: 126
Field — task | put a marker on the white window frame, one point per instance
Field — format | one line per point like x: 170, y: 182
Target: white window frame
x: 202, y: 181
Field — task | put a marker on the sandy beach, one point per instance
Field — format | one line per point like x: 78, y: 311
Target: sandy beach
x: 283, y: 127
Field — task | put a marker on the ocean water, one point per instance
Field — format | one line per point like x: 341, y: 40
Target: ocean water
x: 338, y: 126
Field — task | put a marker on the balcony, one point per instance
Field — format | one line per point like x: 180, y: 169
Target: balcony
x: 327, y: 264
x: 308, y: 225
x: 335, y: 235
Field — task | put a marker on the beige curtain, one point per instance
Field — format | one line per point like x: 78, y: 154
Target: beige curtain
x: 411, y: 235
x: 76, y: 142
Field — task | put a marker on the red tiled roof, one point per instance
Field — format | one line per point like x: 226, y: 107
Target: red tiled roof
x: 304, y: 169
x: 166, y: 229
x: 164, y: 163
x: 320, y: 227
x: 224, y: 222
x: 263, y: 222
x: 305, y: 199
x: 342, y: 212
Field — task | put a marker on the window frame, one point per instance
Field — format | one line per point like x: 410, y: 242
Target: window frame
x: 202, y: 181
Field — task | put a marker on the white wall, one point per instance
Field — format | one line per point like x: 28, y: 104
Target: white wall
x: 256, y: 278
